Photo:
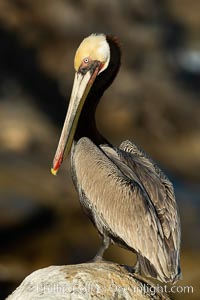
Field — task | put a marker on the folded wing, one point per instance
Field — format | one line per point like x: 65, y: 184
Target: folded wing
x: 132, y: 200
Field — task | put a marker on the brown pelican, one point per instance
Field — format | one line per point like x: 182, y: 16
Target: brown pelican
x: 128, y: 198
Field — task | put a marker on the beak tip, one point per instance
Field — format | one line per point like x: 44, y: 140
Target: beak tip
x: 54, y: 172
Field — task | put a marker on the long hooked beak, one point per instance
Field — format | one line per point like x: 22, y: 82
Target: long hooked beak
x: 81, y: 87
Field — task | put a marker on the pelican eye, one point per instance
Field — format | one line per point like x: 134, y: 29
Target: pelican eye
x: 85, y: 65
x: 86, y: 60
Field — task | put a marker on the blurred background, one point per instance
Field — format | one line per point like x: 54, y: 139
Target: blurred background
x: 154, y: 102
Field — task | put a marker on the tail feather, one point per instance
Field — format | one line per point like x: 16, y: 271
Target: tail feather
x: 150, y: 271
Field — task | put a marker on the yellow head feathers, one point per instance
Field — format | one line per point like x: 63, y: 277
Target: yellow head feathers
x: 95, y: 47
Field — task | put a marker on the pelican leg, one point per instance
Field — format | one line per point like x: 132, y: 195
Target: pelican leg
x: 104, y: 246
x: 137, y: 268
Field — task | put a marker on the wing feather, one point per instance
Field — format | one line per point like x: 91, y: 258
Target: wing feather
x: 158, y: 186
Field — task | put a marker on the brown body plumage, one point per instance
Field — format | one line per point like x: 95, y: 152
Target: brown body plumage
x: 127, y: 197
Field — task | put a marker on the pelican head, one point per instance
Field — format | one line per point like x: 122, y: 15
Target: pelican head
x: 94, y: 48
x: 91, y: 58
